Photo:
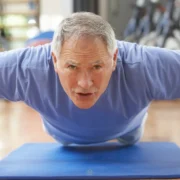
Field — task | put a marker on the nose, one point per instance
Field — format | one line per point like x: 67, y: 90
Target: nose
x: 84, y: 80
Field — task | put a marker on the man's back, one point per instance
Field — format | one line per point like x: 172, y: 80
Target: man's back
x: 28, y: 75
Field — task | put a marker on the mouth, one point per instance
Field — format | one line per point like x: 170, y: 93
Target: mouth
x: 85, y: 94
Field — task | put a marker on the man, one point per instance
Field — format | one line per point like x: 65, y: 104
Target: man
x: 88, y: 87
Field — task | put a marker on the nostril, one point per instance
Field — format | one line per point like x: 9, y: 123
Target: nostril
x: 85, y: 83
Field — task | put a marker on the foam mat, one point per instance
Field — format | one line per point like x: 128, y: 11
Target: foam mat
x: 145, y: 160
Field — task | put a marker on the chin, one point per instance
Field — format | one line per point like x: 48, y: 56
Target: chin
x: 84, y: 106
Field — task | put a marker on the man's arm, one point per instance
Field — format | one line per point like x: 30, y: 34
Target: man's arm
x: 11, y: 87
x: 159, y: 67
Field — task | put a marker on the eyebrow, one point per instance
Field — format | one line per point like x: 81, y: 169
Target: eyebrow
x: 98, y: 62
x: 76, y: 63
x: 72, y: 62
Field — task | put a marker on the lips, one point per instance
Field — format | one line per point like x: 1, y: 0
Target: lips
x: 84, y: 94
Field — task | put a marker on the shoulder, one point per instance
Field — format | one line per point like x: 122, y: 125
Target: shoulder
x: 29, y: 57
x: 36, y: 57
x: 129, y: 53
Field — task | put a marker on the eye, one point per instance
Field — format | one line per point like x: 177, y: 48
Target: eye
x: 97, y: 67
x: 72, y: 67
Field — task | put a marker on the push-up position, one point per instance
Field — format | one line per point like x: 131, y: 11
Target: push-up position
x: 87, y: 86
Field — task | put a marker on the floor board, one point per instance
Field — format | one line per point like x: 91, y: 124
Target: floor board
x: 20, y: 124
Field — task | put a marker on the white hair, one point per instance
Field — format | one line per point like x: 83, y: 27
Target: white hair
x: 80, y: 24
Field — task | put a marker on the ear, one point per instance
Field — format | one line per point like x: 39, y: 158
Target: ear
x: 115, y: 59
x: 54, y: 61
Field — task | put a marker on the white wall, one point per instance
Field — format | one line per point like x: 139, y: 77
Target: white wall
x: 53, y: 11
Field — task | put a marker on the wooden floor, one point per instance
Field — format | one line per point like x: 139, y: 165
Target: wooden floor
x: 20, y: 124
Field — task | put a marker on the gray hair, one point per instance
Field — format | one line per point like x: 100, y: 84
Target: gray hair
x: 80, y: 24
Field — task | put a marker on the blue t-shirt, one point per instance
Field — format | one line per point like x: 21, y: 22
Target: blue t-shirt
x: 142, y: 75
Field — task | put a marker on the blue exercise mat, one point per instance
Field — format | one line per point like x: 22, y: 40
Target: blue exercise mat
x: 110, y: 161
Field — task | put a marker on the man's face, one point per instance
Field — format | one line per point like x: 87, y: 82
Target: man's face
x: 84, y: 69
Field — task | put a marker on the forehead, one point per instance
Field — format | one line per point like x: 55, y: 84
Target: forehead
x: 84, y: 45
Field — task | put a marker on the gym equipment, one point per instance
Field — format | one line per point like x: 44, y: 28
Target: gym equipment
x: 138, y: 13
x: 40, y: 39
x: 160, y: 26
x: 145, y: 160
x: 168, y: 24
x: 147, y: 23
x: 146, y: 30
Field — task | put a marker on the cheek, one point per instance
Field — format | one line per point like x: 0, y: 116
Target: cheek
x: 104, y: 77
x: 67, y: 79
x: 99, y: 79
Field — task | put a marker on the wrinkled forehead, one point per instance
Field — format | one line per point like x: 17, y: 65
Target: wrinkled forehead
x: 84, y: 45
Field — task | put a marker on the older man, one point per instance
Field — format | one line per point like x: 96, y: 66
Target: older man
x: 87, y: 86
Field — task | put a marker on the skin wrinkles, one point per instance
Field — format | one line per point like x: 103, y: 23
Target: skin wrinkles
x: 84, y: 68
x: 83, y: 51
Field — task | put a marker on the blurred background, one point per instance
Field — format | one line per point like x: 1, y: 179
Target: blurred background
x: 32, y: 22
